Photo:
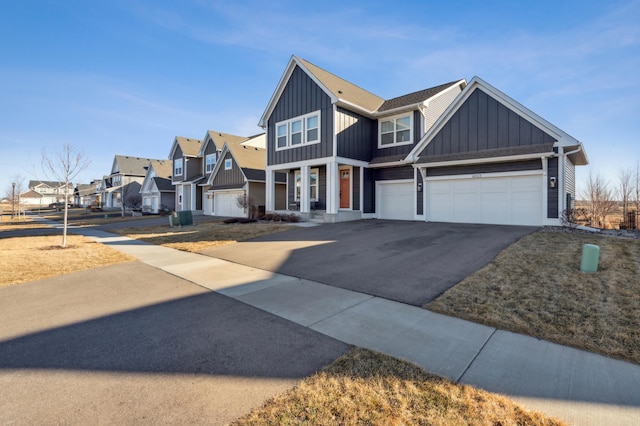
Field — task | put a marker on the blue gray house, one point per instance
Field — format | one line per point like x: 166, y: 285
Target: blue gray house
x: 457, y: 152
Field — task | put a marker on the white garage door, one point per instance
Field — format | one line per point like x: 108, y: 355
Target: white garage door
x: 515, y: 200
x: 224, y: 204
x: 394, y: 200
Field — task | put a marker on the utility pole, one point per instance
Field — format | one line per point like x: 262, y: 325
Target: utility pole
x: 13, y: 199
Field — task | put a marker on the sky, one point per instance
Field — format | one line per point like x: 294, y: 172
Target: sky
x: 127, y: 76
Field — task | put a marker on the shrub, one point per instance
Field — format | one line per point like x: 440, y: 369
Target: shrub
x: 294, y: 218
x: 231, y: 220
x: 246, y: 220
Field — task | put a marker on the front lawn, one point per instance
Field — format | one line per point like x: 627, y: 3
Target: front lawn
x: 535, y: 287
x: 364, y: 387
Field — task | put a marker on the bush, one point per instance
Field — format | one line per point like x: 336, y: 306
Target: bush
x: 231, y: 220
x: 294, y: 218
x: 246, y: 220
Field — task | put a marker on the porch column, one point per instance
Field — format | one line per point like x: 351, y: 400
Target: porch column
x: 305, y: 196
x: 269, y: 195
x: 333, y: 188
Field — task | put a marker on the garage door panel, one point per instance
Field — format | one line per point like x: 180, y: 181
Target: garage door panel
x: 513, y: 200
x: 395, y: 200
x: 224, y: 204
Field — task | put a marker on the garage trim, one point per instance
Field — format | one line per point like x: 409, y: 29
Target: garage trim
x: 530, y: 173
x: 396, y: 181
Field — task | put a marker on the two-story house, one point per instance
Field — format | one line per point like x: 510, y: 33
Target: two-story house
x: 187, y: 174
x: 236, y: 186
x: 124, y: 182
x: 455, y: 152
x: 43, y: 192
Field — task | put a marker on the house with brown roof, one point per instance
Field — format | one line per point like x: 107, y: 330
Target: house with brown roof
x: 236, y: 186
x: 123, y: 184
x: 187, y: 173
x: 454, y: 152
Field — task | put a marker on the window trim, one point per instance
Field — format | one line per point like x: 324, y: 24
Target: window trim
x: 394, y: 118
x: 175, y: 166
x: 208, y: 169
x: 228, y: 163
x: 288, y: 137
x: 297, y: 177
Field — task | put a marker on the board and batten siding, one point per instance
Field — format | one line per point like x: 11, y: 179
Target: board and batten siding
x: 394, y: 173
x: 301, y: 96
x: 483, y: 123
x: 177, y: 154
x: 355, y: 188
x: 356, y: 135
x: 402, y: 149
x: 369, y: 191
x: 228, y: 178
x: 419, y: 194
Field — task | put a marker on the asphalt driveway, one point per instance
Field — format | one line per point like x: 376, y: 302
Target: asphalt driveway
x: 131, y: 344
x: 409, y: 262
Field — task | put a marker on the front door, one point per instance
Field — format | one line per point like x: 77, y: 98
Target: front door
x: 345, y: 188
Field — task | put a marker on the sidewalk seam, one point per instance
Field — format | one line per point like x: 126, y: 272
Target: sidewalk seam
x: 476, y: 356
x: 339, y: 312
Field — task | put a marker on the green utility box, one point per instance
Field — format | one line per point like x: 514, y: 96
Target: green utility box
x: 590, y: 257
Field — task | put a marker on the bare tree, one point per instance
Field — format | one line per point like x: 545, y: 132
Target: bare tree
x: 65, y: 166
x: 625, y: 192
x: 129, y: 194
x: 600, y: 200
x: 13, y: 192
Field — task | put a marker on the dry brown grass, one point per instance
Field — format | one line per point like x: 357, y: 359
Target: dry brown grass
x: 364, y: 387
x: 202, y: 235
x: 26, y: 259
x: 535, y: 287
x: 7, y: 223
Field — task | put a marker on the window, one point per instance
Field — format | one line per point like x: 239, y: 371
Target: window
x: 298, y: 131
x: 228, y: 163
x: 177, y: 167
x: 210, y: 161
x: 313, y: 184
x: 395, y: 131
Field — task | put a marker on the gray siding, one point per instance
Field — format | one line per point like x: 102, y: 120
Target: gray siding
x: 438, y: 105
x: 515, y: 166
x: 176, y: 155
x: 193, y: 167
x: 355, y: 187
x: 483, y: 123
x: 570, y: 182
x: 552, y: 193
x: 403, y: 149
x: 301, y: 96
x: 211, y: 149
x: 394, y: 173
x: 228, y: 178
x: 356, y: 135
x: 369, y: 191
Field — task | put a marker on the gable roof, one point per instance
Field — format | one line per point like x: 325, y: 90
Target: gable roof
x: 219, y: 139
x: 563, y: 138
x: 85, y: 189
x: 126, y: 165
x: 417, y: 97
x: 347, y: 94
x: 49, y: 183
x: 248, y: 158
x: 162, y: 168
x: 190, y: 147
x: 163, y: 184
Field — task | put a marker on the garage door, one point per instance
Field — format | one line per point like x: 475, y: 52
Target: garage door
x: 515, y: 200
x: 224, y: 204
x: 394, y: 200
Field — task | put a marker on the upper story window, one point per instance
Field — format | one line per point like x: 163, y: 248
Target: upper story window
x: 395, y: 131
x: 177, y: 167
x: 228, y: 163
x: 210, y: 162
x: 297, y: 131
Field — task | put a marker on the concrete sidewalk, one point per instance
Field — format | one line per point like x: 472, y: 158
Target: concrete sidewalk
x: 577, y: 386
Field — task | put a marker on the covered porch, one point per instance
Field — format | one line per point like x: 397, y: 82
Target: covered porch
x: 321, y: 191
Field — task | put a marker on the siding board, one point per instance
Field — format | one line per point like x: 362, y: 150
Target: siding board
x: 356, y: 136
x: 552, y: 193
x: 516, y: 166
x: 227, y: 178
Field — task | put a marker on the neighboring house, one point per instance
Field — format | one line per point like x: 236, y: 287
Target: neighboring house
x: 84, y: 194
x: 187, y: 173
x: 32, y: 198
x: 236, y: 186
x: 50, y: 191
x: 124, y: 182
x: 157, y: 191
x: 455, y: 152
x: 209, y: 153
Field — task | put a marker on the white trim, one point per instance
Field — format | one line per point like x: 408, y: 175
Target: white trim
x: 390, y: 164
x: 182, y: 163
x: 385, y: 182
x: 476, y: 82
x: 335, y: 132
x: 485, y: 175
x: 297, y: 164
x: 506, y: 159
x: 303, y: 130
x: 545, y: 187
x: 317, y: 185
x: 394, y: 118
x: 362, y: 189
x: 213, y: 166
x: 350, y: 169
